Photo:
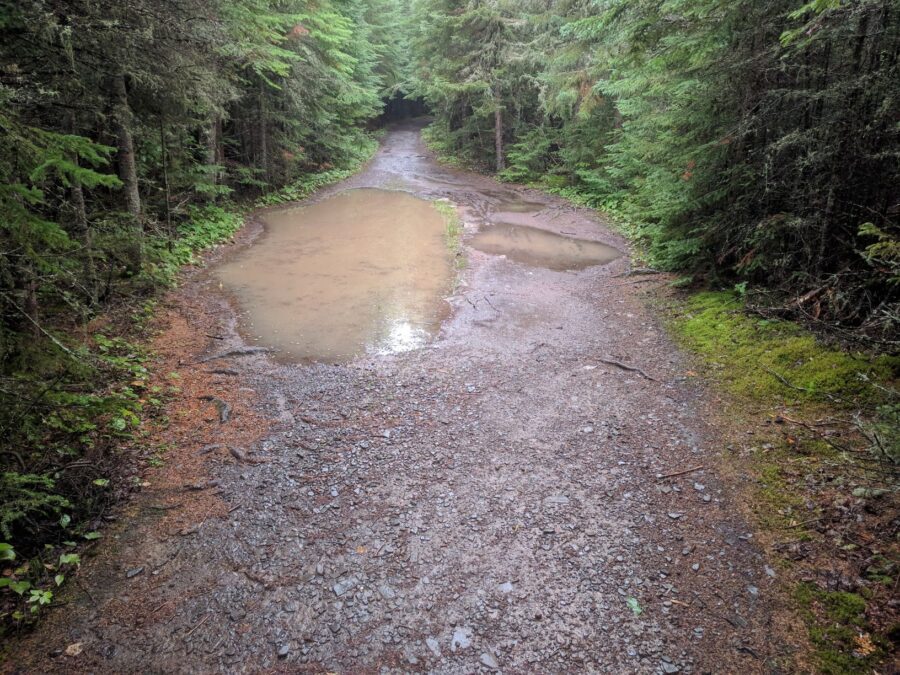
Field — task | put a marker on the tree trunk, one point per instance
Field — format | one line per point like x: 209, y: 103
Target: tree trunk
x: 127, y: 165
x: 165, y: 167
x: 84, y: 234
x: 83, y: 228
x: 122, y: 117
x: 212, y: 150
x: 32, y: 308
x: 263, y: 158
x: 498, y: 138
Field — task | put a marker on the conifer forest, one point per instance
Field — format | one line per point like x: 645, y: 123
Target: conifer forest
x: 623, y: 278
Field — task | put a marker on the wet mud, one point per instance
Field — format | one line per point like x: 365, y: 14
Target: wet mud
x: 504, y: 499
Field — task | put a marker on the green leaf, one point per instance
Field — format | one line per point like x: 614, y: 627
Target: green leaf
x: 19, y: 587
x: 59, y: 578
x: 7, y: 552
x: 101, y: 482
x: 70, y: 559
x: 634, y: 606
x: 64, y: 520
x: 90, y: 536
x: 39, y: 597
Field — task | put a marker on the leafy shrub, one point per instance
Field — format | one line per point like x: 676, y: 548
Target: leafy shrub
x: 25, y: 498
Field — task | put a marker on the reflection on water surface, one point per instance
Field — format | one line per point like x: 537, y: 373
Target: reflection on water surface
x: 362, y: 272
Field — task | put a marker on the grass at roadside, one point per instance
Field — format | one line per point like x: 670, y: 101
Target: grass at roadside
x: 454, y: 231
x: 822, y: 463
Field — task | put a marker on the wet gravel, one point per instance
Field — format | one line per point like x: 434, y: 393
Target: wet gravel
x: 495, y: 502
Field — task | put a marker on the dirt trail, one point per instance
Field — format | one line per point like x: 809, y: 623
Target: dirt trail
x: 490, y: 502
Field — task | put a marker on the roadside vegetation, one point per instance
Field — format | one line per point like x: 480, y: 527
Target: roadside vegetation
x: 743, y: 143
x: 135, y: 136
x: 454, y: 232
x: 750, y: 146
x: 815, y: 442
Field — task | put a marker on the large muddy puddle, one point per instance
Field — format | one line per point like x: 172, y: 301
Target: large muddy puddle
x: 363, y: 272
x: 540, y: 248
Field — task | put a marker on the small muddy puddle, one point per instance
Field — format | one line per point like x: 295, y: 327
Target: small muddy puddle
x: 519, y: 206
x: 511, y: 202
x: 363, y: 272
x: 540, y: 248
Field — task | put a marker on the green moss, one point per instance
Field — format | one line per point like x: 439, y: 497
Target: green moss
x: 775, y: 502
x: 881, y: 570
x: 750, y: 354
x: 836, y: 620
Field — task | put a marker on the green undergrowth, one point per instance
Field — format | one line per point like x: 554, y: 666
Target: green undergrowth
x: 79, y: 400
x: 443, y: 148
x: 304, y: 186
x: 206, y: 226
x: 796, y: 472
x: 453, y: 232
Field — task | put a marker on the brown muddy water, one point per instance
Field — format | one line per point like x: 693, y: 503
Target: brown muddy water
x: 540, y: 248
x: 362, y: 272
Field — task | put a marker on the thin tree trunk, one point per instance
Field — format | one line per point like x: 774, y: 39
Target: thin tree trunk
x: 128, y: 167
x: 212, y: 150
x: 219, y: 147
x: 83, y: 228
x: 32, y: 308
x: 165, y: 168
x: 83, y: 232
x: 498, y: 138
x: 262, y: 135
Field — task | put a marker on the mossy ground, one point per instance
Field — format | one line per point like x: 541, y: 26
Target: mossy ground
x: 749, y: 354
x: 838, y: 630
x: 807, y: 467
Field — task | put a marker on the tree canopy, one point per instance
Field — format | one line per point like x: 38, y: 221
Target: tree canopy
x: 751, y: 142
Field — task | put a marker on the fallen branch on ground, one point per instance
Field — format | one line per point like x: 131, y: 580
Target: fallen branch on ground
x: 679, y: 473
x: 200, y: 623
x: 242, y: 457
x: 790, y: 385
x: 636, y: 281
x: 625, y: 366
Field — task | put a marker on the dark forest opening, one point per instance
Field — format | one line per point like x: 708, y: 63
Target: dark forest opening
x: 399, y: 107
